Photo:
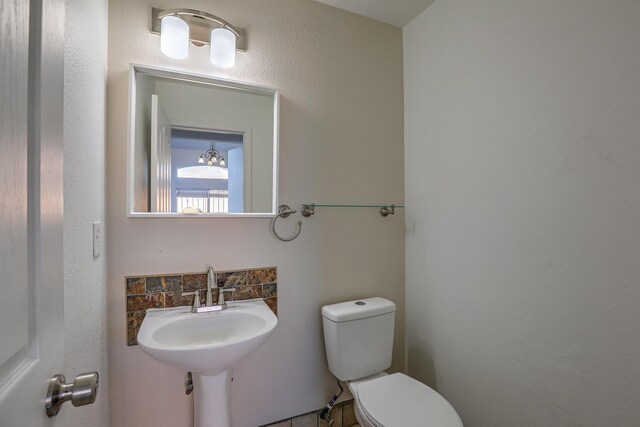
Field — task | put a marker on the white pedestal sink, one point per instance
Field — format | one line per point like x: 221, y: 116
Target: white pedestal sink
x: 207, y: 345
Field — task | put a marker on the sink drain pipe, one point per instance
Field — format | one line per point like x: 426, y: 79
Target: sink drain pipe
x: 188, y: 384
x: 325, y: 413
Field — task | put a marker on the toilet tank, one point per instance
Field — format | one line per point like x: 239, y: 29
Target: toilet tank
x: 358, y: 337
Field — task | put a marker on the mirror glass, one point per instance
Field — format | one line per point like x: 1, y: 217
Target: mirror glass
x: 201, y: 146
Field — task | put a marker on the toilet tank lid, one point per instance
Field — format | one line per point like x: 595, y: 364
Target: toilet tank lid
x: 357, y: 309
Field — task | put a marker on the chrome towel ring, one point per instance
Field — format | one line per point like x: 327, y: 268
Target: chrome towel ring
x: 284, y: 211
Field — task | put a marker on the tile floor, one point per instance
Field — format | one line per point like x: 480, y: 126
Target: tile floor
x: 342, y: 414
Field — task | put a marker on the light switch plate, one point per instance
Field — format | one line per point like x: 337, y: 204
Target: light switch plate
x: 97, y: 239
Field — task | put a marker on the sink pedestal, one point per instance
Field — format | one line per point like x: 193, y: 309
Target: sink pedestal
x: 208, y: 345
x: 211, y: 403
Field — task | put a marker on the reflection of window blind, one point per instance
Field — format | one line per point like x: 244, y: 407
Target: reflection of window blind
x: 209, y: 201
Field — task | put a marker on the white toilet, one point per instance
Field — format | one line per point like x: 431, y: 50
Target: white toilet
x: 358, y: 336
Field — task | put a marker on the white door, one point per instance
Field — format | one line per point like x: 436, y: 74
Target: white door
x: 160, y: 158
x: 235, y: 160
x: 31, y: 202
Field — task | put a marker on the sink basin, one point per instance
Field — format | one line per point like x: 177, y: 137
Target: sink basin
x: 206, y: 343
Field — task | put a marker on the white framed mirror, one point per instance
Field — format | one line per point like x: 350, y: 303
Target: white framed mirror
x: 200, y: 146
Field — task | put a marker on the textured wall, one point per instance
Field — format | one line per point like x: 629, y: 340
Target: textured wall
x: 522, y: 177
x: 85, y: 300
x: 340, y: 81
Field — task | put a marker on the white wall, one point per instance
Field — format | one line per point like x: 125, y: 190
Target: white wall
x: 340, y: 80
x: 522, y: 160
x: 84, y: 202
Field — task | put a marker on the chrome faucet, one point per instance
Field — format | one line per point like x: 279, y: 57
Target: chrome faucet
x: 211, y: 276
x: 209, y: 305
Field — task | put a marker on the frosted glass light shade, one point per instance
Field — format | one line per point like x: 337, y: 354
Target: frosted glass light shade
x: 223, y: 48
x: 174, y: 37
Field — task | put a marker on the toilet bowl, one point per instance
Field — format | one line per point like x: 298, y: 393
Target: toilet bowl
x: 398, y: 400
x: 358, y: 339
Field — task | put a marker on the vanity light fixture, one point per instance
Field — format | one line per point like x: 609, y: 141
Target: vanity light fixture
x: 211, y: 157
x: 174, y: 38
x: 179, y: 26
x: 223, y: 48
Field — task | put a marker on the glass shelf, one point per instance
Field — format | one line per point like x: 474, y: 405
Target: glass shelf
x: 385, y: 210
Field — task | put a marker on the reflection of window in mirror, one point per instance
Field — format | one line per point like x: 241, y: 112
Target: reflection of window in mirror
x: 208, y: 171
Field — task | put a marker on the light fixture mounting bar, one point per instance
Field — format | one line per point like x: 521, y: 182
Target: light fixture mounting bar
x: 200, y: 26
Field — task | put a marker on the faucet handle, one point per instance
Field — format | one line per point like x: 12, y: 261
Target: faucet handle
x: 196, y: 298
x: 221, y: 292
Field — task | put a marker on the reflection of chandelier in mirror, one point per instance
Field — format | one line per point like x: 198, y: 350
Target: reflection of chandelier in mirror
x: 211, y: 157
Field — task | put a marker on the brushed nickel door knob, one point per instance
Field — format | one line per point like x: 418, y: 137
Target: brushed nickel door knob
x: 82, y: 391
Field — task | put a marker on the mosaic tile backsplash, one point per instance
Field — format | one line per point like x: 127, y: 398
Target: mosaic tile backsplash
x: 165, y: 291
